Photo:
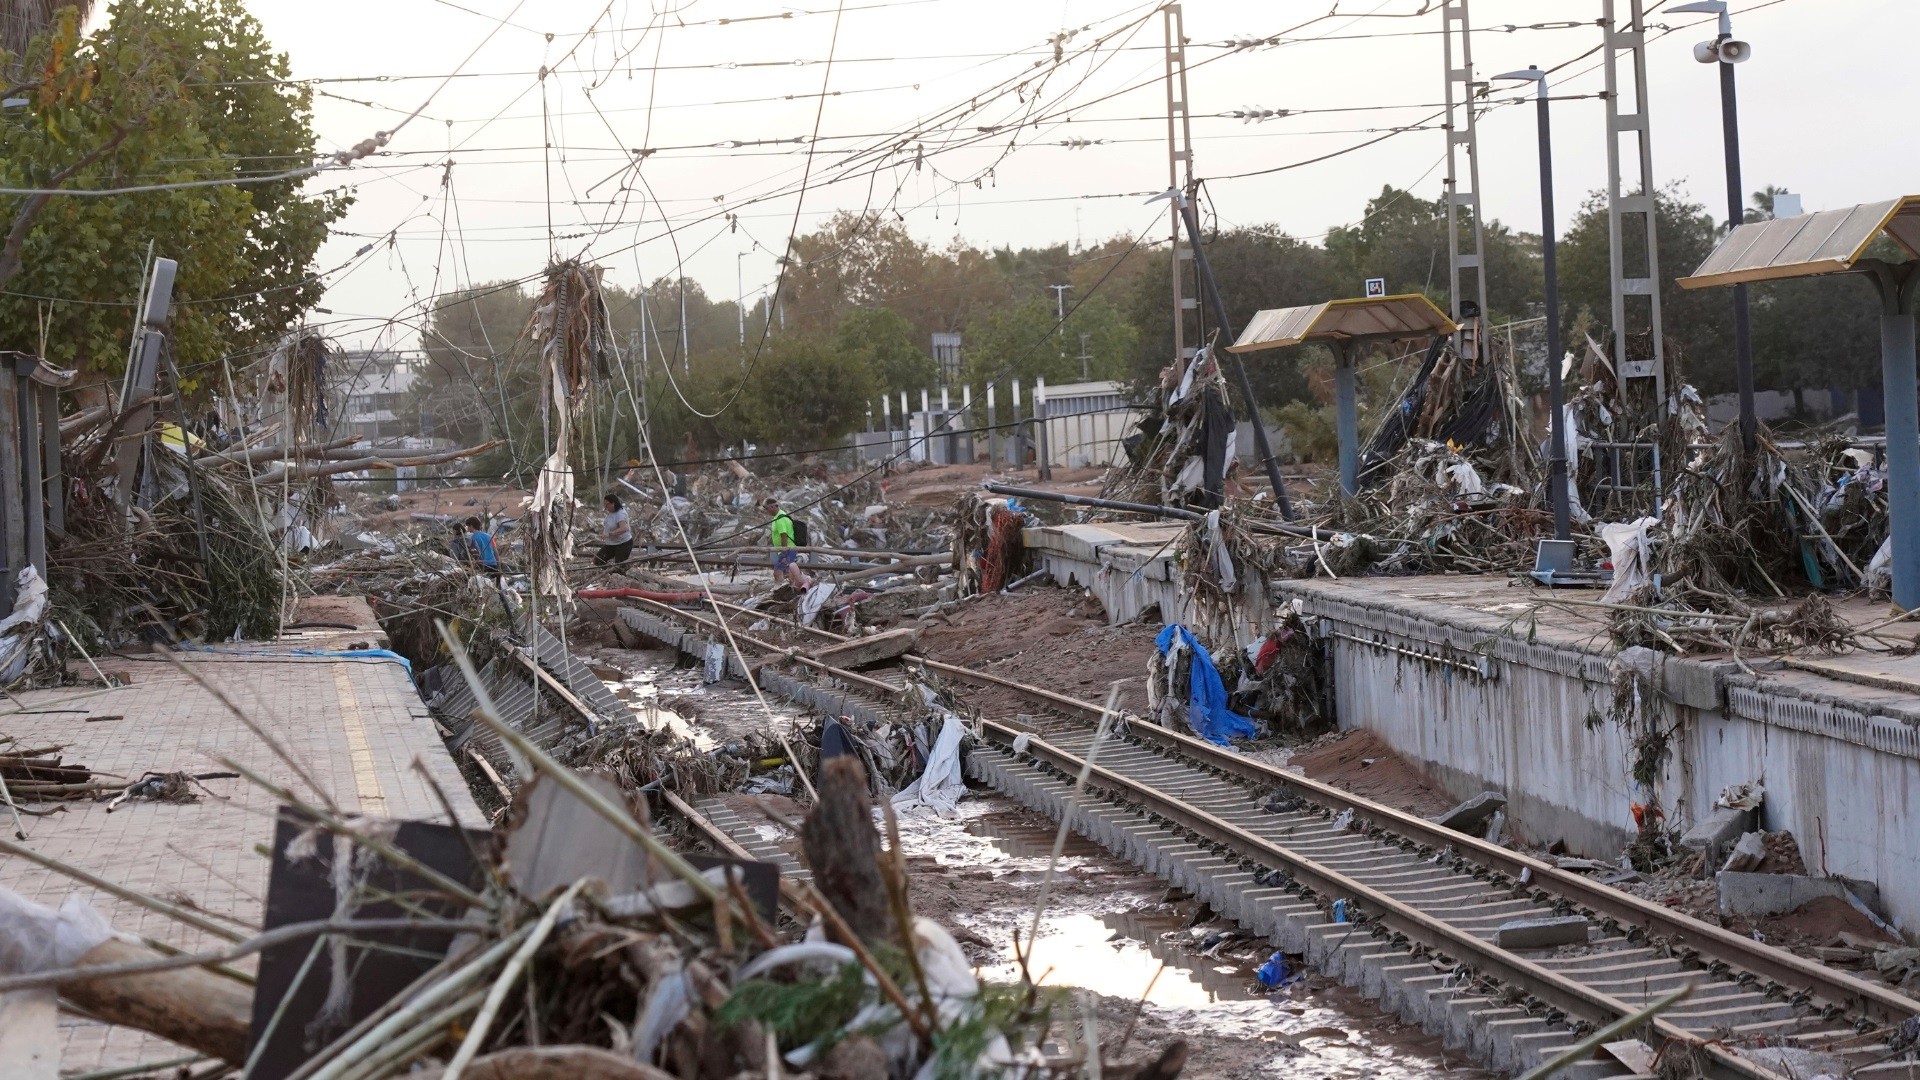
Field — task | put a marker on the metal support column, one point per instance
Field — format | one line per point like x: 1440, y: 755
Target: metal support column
x: 1260, y: 443
x: 1464, y: 247
x: 136, y: 396
x: 1041, y: 436
x: 32, y: 493
x: 13, y: 513
x: 1639, y: 203
x: 1346, y: 414
x: 1898, y: 380
x: 56, y: 481
x: 1179, y: 172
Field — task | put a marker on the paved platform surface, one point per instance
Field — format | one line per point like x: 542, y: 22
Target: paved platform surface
x: 1875, y: 680
x: 356, y: 725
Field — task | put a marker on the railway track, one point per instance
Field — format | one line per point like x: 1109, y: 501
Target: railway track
x: 1434, y: 924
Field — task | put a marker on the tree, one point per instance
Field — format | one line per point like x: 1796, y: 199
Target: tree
x: 1698, y: 323
x: 1815, y: 332
x: 1257, y: 267
x: 1403, y: 238
x: 881, y: 341
x: 167, y: 92
x: 1021, y: 342
x: 469, y: 382
x: 805, y: 394
x: 853, y: 261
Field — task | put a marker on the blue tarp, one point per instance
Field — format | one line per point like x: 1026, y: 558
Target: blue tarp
x: 1207, y: 708
x: 361, y: 654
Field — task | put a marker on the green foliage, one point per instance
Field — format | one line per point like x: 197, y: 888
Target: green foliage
x: 1403, y: 238
x: 1310, y: 424
x: 804, y: 393
x: 1020, y: 342
x: 1698, y: 322
x: 166, y: 91
x: 1310, y: 431
x: 801, y: 1013
x: 469, y: 381
x: 999, y: 1010
x: 1815, y: 332
x: 1258, y: 267
x: 881, y: 340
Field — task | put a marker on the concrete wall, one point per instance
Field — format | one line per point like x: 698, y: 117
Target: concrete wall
x: 1081, y: 440
x: 1482, y: 710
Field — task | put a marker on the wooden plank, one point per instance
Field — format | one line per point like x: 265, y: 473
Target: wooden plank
x: 867, y: 651
x: 30, y: 1034
x: 559, y: 688
x: 562, y: 839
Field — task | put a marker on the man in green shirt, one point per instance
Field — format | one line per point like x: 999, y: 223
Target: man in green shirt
x: 780, y: 537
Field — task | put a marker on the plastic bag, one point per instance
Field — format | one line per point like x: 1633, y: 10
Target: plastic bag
x: 35, y: 938
x: 941, y: 783
x: 1207, y: 711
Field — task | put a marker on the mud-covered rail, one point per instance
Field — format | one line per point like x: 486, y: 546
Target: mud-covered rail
x: 1418, y: 892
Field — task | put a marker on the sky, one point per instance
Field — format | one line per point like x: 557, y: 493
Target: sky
x: 727, y: 95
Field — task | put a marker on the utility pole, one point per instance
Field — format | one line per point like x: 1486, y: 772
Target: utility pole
x: 1179, y: 169
x: 1085, y: 360
x: 1636, y: 282
x: 1060, y: 316
x: 1724, y: 52
x: 740, y: 301
x: 1186, y: 224
x: 1464, y: 253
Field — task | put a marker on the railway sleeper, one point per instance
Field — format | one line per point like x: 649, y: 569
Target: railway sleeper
x: 1501, y: 1033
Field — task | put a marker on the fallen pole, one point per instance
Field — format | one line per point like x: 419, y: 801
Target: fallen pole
x: 641, y: 594
x: 1306, y: 532
x: 1087, y: 500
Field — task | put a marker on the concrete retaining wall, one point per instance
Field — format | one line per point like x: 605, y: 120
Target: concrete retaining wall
x: 1478, y: 710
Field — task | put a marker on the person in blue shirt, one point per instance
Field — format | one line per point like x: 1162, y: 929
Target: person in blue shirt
x: 480, y: 544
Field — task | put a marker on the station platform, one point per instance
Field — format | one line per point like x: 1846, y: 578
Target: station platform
x: 355, y: 724
x: 1489, y: 683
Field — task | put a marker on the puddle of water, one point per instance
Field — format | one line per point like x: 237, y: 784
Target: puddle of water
x: 1024, y: 840
x: 647, y: 693
x: 1317, y: 1032
x: 1122, y: 953
x: 983, y: 835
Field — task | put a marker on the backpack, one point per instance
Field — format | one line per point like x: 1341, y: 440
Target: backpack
x: 799, y: 532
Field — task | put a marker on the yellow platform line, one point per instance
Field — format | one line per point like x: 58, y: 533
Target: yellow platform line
x: 366, y: 782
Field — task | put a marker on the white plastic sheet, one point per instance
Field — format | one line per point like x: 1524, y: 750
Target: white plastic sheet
x: 1632, y: 553
x: 815, y: 599
x: 941, y: 783
x: 36, y: 938
x: 1879, y: 576
x: 18, y: 630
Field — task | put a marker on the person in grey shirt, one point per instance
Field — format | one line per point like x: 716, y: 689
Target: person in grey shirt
x: 616, y: 535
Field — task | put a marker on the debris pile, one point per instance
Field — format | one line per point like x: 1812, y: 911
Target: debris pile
x: 189, y: 557
x: 572, y: 940
x: 1183, y: 453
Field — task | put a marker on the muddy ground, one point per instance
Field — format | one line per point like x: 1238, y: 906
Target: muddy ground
x: 1055, y: 638
x: 1107, y: 928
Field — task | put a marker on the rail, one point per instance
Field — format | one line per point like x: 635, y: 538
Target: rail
x: 1720, y: 951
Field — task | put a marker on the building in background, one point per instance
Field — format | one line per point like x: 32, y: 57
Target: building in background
x: 372, y: 392
x: 946, y: 354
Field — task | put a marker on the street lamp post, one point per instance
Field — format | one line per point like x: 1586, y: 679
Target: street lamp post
x: 1725, y: 51
x: 1556, y: 393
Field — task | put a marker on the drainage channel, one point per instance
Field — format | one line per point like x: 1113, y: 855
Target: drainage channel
x: 1496, y: 966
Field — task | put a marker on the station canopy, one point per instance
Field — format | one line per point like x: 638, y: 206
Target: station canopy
x: 1829, y: 242
x: 1379, y: 318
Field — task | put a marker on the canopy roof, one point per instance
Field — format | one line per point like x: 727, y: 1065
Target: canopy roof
x: 1828, y: 242
x: 1373, y: 317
